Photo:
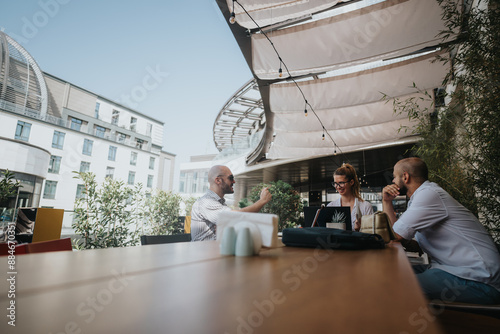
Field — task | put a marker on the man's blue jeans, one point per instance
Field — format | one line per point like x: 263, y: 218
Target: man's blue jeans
x: 438, y: 284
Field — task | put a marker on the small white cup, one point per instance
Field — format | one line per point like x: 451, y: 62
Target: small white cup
x: 244, y: 243
x: 228, y: 242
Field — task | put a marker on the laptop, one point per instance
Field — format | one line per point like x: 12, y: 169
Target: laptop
x: 38, y: 224
x: 327, y: 214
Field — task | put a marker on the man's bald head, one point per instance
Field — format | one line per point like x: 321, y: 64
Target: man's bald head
x: 216, y: 171
x: 415, y: 167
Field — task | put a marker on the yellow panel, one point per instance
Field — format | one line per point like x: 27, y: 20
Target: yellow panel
x: 187, y: 224
x: 48, y: 224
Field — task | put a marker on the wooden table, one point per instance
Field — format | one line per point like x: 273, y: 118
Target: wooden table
x: 190, y: 288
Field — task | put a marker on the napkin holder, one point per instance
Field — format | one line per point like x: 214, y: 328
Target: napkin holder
x: 263, y: 227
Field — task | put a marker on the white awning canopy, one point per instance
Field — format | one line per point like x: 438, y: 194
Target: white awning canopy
x: 338, y: 60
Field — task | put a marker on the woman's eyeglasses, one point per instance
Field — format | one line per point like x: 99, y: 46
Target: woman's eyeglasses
x: 339, y: 184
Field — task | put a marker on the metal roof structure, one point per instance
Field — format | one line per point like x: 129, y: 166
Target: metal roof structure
x: 22, y: 86
x: 242, y: 115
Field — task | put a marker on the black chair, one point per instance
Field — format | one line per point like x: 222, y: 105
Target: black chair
x: 164, y: 239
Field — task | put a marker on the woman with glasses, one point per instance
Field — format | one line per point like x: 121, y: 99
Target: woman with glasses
x: 347, y: 184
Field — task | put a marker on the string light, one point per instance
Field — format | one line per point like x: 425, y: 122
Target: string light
x: 280, y: 74
x: 232, y: 19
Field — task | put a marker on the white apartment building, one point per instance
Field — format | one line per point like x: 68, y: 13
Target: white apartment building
x: 50, y: 128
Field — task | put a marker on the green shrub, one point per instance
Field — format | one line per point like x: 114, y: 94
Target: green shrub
x: 285, y: 202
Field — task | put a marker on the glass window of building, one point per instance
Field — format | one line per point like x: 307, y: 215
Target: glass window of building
x: 23, y: 130
x: 100, y: 131
x: 80, y: 191
x: 50, y: 189
x: 96, y: 112
x: 133, y: 123
x: 204, y: 187
x: 133, y: 158
x: 54, y: 164
x: 84, y: 166
x: 151, y: 163
x: 131, y: 178
x: 138, y: 143
x: 110, y: 172
x: 182, y: 181
x: 115, y: 117
x: 76, y: 124
x: 87, y: 146
x: 121, y: 137
x: 150, y: 181
x: 58, y: 139
x: 112, y: 153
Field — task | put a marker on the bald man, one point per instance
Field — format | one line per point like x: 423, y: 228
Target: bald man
x: 206, y: 209
x: 464, y: 261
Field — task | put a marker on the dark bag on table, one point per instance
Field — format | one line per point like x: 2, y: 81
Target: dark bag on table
x: 330, y: 238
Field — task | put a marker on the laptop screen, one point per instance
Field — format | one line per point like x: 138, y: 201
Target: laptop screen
x: 328, y: 214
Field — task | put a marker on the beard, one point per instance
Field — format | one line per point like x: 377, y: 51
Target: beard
x: 227, y: 188
x: 402, y: 189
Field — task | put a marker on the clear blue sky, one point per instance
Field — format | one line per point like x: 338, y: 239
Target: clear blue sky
x: 108, y: 47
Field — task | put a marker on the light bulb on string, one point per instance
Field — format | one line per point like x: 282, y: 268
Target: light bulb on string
x: 232, y: 19
x: 305, y: 108
x: 280, y: 71
x: 323, y: 137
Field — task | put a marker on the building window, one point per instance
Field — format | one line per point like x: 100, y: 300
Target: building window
x: 133, y: 158
x: 54, y: 164
x: 182, y: 181
x: 84, y: 167
x: 121, y: 137
x: 96, y: 112
x: 131, y: 178
x: 100, y: 131
x: 76, y: 124
x: 23, y: 130
x: 133, y: 123
x: 112, y: 153
x: 80, y: 191
x: 58, y: 140
x: 50, y: 189
x: 115, y: 117
x: 150, y: 129
x: 204, y: 182
x: 150, y: 181
x: 138, y: 143
x: 110, y: 172
x: 87, y: 147
x: 151, y: 163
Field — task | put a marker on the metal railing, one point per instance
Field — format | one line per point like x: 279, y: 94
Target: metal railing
x: 35, y: 114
